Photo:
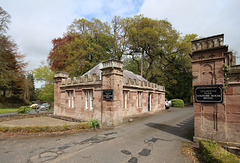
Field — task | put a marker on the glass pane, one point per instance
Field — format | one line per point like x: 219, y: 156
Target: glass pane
x: 91, y: 99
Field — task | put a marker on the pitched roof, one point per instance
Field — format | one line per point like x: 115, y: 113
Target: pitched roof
x: 126, y: 74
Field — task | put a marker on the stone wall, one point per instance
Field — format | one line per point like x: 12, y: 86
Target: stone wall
x: 112, y: 112
x: 219, y: 121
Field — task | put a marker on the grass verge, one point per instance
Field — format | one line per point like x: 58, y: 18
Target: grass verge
x: 36, y: 129
x: 8, y: 110
x: 213, y: 152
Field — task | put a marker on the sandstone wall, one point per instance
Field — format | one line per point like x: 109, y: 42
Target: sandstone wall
x: 217, y: 121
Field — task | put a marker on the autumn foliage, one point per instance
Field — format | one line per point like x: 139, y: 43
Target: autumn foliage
x: 12, y: 74
x: 148, y: 47
x: 58, y: 55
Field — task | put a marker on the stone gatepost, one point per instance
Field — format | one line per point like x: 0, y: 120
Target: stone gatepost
x: 214, y: 116
x: 57, y: 92
x: 112, y: 87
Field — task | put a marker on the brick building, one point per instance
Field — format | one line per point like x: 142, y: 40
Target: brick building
x: 107, y: 93
x: 216, y: 81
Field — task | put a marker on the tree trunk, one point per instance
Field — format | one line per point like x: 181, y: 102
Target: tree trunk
x: 142, y: 62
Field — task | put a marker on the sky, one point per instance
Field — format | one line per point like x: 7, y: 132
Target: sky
x: 35, y: 23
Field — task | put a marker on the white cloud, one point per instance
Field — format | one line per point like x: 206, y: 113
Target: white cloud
x: 205, y: 18
x: 36, y: 22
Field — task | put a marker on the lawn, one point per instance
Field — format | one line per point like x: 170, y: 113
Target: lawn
x: 8, y: 110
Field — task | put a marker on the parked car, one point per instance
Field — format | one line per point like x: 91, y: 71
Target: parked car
x: 44, y: 106
x: 35, y: 102
x: 168, y: 103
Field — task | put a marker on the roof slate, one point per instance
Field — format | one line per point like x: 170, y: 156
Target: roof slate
x: 126, y: 74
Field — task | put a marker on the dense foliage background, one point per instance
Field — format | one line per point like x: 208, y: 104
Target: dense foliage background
x: 15, y: 84
x: 148, y: 47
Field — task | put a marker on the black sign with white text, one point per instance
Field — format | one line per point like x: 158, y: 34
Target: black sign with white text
x: 107, y: 94
x: 208, y: 93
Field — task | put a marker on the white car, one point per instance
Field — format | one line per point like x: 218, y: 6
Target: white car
x: 168, y: 103
x: 44, y: 106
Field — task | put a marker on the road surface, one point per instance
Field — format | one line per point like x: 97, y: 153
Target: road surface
x: 156, y: 139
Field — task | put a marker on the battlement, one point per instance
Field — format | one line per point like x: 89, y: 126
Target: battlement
x: 207, y: 43
x: 112, y: 63
x: 86, y: 79
x: 96, y: 79
x: 61, y: 75
x: 142, y: 84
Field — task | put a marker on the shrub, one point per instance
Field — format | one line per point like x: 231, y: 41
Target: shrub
x: 94, y: 123
x: 23, y: 110
x: 177, y: 103
x: 213, y: 152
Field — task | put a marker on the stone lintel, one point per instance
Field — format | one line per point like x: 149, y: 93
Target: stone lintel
x: 207, y: 59
x: 144, y: 88
x: 210, y: 49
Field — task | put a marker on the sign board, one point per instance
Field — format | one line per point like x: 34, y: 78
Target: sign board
x: 208, y: 93
x: 107, y: 94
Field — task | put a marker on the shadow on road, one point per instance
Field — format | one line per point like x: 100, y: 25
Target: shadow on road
x: 184, y: 129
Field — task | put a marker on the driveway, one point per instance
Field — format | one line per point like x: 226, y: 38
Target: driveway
x: 155, y: 139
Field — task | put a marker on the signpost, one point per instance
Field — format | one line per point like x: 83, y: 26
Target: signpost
x: 107, y: 94
x: 208, y: 93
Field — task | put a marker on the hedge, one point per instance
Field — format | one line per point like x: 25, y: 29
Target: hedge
x: 177, y: 103
x: 45, y: 128
x: 213, y: 152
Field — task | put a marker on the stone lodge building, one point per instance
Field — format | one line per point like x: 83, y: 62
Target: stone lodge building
x: 107, y: 93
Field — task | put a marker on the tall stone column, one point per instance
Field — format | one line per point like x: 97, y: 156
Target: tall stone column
x: 58, y: 77
x: 112, y: 79
x: 208, y: 58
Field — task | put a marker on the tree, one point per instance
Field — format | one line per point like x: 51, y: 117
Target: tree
x: 152, y: 39
x: 150, y: 47
x: 160, y: 54
x: 4, y: 21
x: 57, y: 57
x: 44, y: 74
x: 85, y: 45
x: 120, y: 39
x: 29, y: 88
x: 12, y: 67
x: 11, y: 61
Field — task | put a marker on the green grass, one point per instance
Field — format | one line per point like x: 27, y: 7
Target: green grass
x: 44, y: 128
x: 8, y: 110
x: 213, y: 152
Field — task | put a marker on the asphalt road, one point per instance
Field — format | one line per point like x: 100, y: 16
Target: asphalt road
x: 156, y: 139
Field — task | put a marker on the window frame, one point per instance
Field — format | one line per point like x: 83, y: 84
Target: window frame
x: 139, y: 99
x: 71, y: 98
x: 89, y: 99
x: 125, y: 99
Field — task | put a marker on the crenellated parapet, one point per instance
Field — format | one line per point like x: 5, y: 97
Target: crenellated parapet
x: 61, y: 75
x: 207, y: 43
x: 112, y: 63
x: 234, y: 75
x: 82, y: 80
x: 133, y: 83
